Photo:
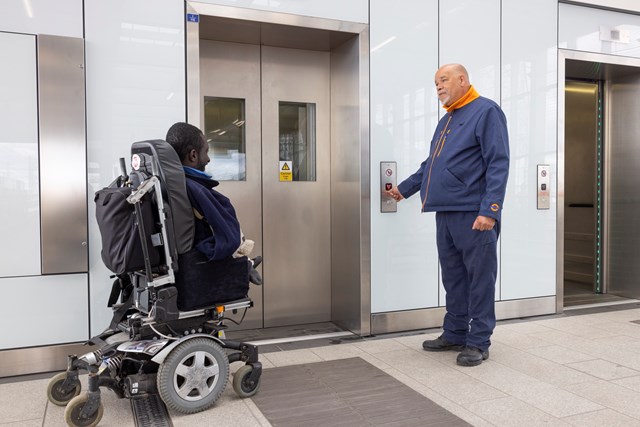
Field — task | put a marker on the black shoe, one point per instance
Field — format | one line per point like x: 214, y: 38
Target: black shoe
x: 256, y: 261
x: 440, y: 344
x: 472, y: 356
x: 254, y: 277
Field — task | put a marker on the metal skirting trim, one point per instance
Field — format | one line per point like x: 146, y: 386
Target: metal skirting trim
x: 398, y: 321
x: 33, y: 360
x: 300, y: 338
x: 602, y: 304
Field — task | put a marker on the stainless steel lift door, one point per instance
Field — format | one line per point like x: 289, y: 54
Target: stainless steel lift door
x: 289, y: 220
x: 297, y: 269
x: 232, y: 70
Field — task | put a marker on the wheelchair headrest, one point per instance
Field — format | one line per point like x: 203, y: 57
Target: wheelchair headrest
x: 157, y: 157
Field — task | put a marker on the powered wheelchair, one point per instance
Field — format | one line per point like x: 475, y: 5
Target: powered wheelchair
x: 169, y: 302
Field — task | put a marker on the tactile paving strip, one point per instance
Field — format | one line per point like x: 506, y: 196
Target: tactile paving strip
x: 348, y: 392
x: 150, y: 411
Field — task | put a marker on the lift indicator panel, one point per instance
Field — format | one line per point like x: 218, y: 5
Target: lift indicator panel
x: 387, y: 182
x: 544, y: 190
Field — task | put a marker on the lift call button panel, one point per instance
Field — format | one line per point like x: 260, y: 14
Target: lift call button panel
x: 544, y: 193
x: 387, y: 182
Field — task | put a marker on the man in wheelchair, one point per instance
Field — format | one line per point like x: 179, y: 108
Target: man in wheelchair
x: 217, y: 230
x: 175, y: 244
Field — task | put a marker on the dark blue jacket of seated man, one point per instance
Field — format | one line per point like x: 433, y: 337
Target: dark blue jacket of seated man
x: 217, y: 235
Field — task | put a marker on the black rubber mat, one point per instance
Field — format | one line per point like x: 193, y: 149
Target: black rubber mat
x: 347, y: 392
x: 150, y: 411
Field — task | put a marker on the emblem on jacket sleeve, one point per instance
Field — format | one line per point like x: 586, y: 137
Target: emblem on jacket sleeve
x: 495, y: 207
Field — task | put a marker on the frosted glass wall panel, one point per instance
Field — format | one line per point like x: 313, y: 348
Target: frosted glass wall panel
x: 404, y: 114
x: 57, y: 303
x: 470, y: 35
x: 19, y: 177
x: 476, y: 46
x: 135, y: 91
x: 352, y: 10
x: 58, y: 18
x: 529, y: 93
x: 590, y: 30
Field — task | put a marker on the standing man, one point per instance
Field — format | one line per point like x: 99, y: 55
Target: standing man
x: 464, y: 180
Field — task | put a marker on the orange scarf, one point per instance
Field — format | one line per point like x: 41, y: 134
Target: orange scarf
x: 466, y: 99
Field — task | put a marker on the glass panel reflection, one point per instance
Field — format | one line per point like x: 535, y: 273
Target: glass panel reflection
x: 297, y: 138
x: 224, y: 128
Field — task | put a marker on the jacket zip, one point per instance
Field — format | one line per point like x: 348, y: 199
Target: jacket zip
x: 436, y: 153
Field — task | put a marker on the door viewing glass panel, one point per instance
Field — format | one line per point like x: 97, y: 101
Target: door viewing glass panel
x: 224, y: 128
x: 297, y: 138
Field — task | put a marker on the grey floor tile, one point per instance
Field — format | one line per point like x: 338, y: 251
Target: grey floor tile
x: 632, y: 383
x: 613, y: 328
x: 610, y: 395
x: 23, y: 401
x: 517, y: 340
x: 603, y: 369
x: 509, y: 412
x: 605, y: 417
x: 560, y: 355
x: 293, y: 357
x: 538, y: 367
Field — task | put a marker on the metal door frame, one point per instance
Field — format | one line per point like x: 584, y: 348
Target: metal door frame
x: 358, y: 322
x: 563, y: 55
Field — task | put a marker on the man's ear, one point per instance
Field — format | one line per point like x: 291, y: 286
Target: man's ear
x: 191, y: 157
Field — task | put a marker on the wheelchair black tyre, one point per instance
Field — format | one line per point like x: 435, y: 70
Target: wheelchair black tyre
x: 241, y: 383
x: 193, y: 376
x: 73, y: 409
x: 56, y: 395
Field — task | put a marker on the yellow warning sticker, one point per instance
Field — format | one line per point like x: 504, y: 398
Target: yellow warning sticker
x: 285, y: 171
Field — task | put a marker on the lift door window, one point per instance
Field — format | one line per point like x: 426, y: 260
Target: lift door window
x: 297, y: 138
x: 224, y: 128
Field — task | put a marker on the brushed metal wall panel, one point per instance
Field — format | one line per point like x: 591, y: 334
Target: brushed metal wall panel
x: 33, y: 360
x: 63, y: 170
x: 350, y: 259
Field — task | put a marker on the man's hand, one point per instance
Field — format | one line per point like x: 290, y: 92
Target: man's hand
x: 395, y: 194
x: 483, y: 223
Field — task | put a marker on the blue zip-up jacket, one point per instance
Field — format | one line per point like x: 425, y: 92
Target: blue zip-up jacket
x: 219, y: 236
x: 468, y: 162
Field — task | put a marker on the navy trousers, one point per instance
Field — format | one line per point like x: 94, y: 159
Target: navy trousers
x: 468, y: 259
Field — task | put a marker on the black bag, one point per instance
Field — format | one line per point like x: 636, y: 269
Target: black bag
x: 202, y: 283
x: 121, y: 245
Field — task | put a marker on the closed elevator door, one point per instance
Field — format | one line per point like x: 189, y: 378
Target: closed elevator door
x: 266, y: 117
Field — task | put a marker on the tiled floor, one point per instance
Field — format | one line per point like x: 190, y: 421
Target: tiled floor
x: 580, y: 369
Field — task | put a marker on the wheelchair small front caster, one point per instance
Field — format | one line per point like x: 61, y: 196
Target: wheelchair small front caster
x: 58, y: 393
x: 77, y: 416
x: 243, y: 385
